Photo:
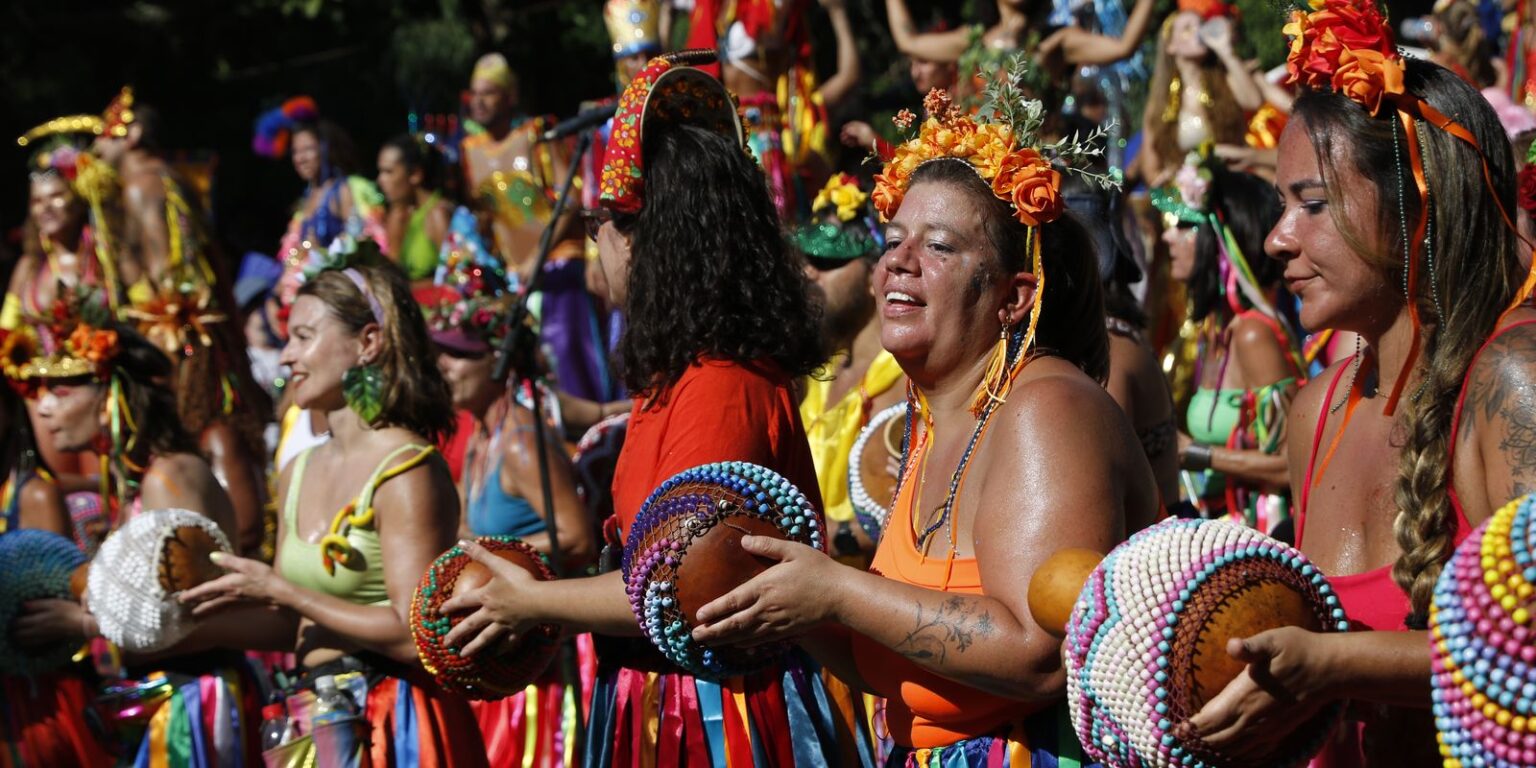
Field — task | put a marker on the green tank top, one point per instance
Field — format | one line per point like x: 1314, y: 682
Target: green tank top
x: 418, y: 257
x: 359, y: 576
x: 1213, y: 413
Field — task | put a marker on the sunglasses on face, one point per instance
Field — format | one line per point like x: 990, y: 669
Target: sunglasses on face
x: 593, y: 218
x: 827, y: 265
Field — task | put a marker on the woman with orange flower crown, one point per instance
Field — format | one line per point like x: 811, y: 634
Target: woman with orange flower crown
x: 720, y: 326
x: 990, y: 300
x: 363, y: 516
x: 99, y: 385
x: 1398, y: 189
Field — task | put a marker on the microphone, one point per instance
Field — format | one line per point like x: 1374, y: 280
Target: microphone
x: 581, y: 122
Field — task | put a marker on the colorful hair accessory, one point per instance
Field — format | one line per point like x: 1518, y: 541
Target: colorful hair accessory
x: 119, y: 114
x: 684, y: 550
x: 37, y: 565
x: 1208, y: 9
x: 870, y: 484
x: 469, y: 307
x: 484, y: 676
x: 142, y: 566
x: 1345, y: 46
x: 494, y: 69
x: 1483, y: 646
x: 274, y: 128
x: 634, y: 26
x: 72, y: 125
x: 669, y: 90
x: 1145, y: 647
x: 842, y: 196
x: 1527, y: 185
x: 73, y: 339
x: 176, y: 319
x: 1004, y: 148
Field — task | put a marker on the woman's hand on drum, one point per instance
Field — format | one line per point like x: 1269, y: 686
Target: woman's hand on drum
x: 792, y: 597
x: 497, y: 605
x: 247, y: 581
x: 1286, y: 682
x: 48, y: 622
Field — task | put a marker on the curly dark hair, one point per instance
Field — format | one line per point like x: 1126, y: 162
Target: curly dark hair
x: 710, y: 273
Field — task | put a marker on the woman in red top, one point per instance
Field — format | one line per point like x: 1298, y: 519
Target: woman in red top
x: 1013, y: 451
x: 719, y: 328
x: 1398, y: 452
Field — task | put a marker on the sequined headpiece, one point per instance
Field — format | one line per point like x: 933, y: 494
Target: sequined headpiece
x: 669, y: 90
x: 63, y: 126
x: 633, y: 26
x: 844, y: 228
x: 468, y: 306
x: 119, y: 114
x: 1345, y: 46
x: 1002, y: 144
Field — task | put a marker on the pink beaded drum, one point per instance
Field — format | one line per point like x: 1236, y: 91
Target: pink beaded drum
x: 1145, y: 646
x: 484, y: 675
x: 1483, y: 646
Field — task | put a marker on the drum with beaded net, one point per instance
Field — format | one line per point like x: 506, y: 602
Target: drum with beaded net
x: 36, y: 565
x: 870, y: 481
x: 684, y: 551
x: 1145, y: 646
x: 1483, y: 646
x: 486, y: 675
x: 140, y: 569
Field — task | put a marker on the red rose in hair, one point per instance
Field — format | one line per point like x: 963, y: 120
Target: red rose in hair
x: 1527, y: 197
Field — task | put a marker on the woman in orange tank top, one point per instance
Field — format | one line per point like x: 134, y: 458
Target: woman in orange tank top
x: 1013, y: 451
x: 1398, y: 452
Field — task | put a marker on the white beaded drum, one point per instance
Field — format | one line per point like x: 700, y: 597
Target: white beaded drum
x: 141, y: 568
x: 1483, y: 645
x: 1146, y: 644
x: 870, y: 483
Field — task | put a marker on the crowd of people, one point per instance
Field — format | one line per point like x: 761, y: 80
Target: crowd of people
x: 1298, y: 300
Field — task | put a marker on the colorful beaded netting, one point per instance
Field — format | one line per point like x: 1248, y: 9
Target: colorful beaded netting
x: 1483, y: 646
x: 869, y: 511
x: 124, y: 589
x: 34, y: 565
x: 483, y: 676
x: 683, y: 509
x: 1131, y: 642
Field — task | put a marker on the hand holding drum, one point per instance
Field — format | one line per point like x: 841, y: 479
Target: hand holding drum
x: 1146, y: 632
x: 133, y: 582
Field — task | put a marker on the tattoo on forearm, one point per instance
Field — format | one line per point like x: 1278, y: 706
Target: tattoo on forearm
x: 956, y: 623
x: 1502, y: 397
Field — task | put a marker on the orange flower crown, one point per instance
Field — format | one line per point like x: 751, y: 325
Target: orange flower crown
x: 1003, y: 147
x: 1345, y: 46
x: 69, y: 342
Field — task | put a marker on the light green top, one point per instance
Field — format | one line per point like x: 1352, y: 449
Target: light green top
x: 418, y: 257
x: 357, y: 578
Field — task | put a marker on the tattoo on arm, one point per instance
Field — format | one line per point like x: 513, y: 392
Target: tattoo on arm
x: 956, y: 623
x: 1502, y: 396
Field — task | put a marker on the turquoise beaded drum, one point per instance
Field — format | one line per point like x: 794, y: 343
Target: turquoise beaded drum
x: 684, y: 550
x: 1146, y: 643
x: 1483, y: 646
x: 37, y: 565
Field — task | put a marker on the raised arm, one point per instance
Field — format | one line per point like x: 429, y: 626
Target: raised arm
x: 933, y: 46
x: 842, y: 82
x: 1079, y: 47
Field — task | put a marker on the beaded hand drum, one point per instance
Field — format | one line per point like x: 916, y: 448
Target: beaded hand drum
x: 1483, y: 646
x: 484, y: 675
x: 684, y: 551
x: 140, y: 569
x: 870, y: 483
x: 37, y: 565
x: 1146, y: 643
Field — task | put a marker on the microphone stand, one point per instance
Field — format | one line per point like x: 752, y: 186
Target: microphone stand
x: 519, y: 352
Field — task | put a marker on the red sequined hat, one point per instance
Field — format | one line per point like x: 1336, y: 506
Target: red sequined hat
x: 672, y: 90
x: 119, y: 114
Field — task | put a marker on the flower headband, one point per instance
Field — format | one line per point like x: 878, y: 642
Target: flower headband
x: 1345, y: 46
x: 467, y: 308
x: 669, y: 90
x: 1005, y: 150
x: 854, y: 234
x: 72, y: 341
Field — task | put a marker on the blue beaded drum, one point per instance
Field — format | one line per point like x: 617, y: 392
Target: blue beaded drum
x: 1483, y: 646
x: 684, y: 550
x: 36, y: 565
x: 870, y: 484
x: 1146, y: 643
